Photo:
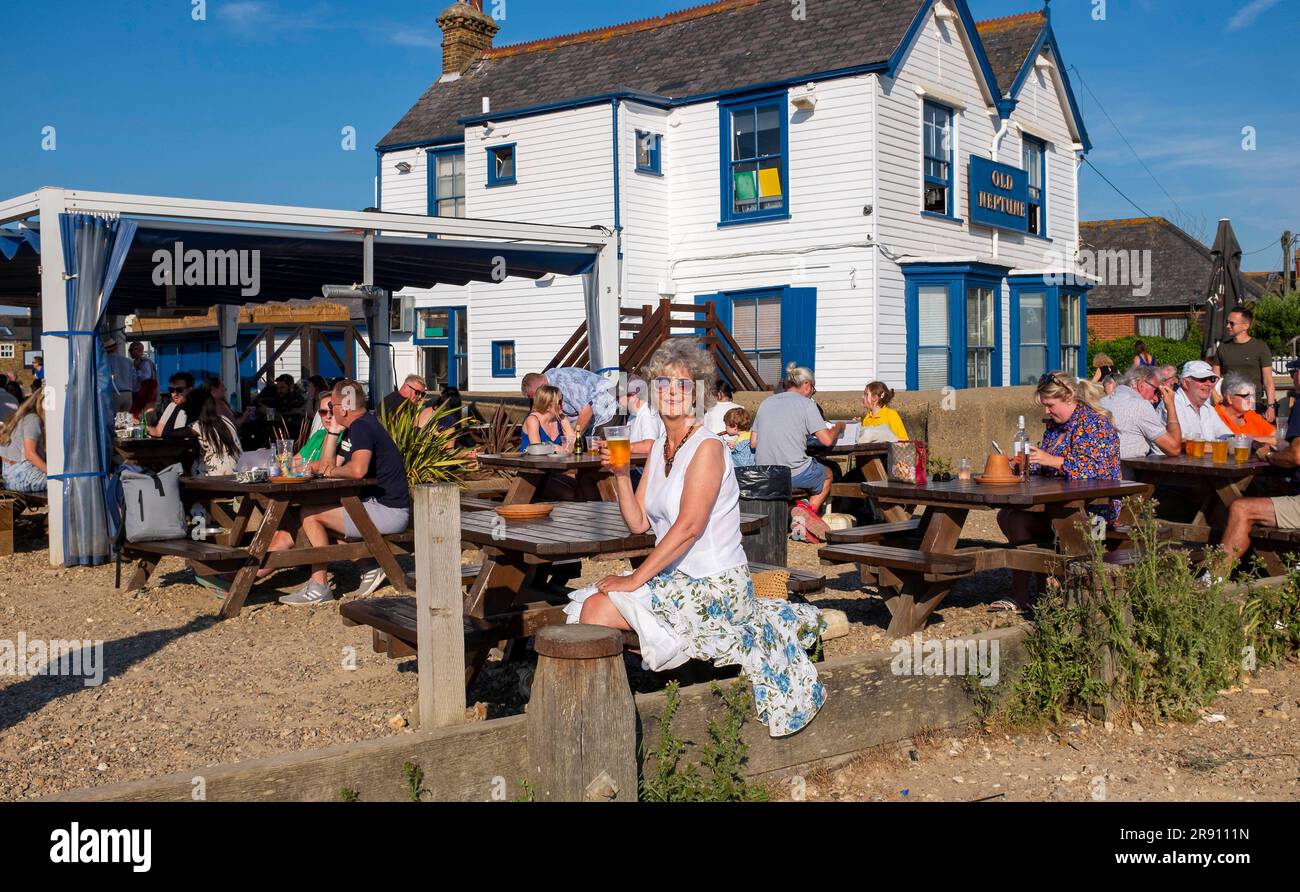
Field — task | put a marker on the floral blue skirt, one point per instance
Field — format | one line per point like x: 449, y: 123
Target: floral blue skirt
x: 718, y: 618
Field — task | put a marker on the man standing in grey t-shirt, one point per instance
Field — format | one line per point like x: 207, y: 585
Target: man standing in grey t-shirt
x: 781, y: 430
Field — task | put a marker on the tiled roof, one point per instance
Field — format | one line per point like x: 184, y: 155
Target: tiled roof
x: 1007, y: 42
x: 718, y: 47
x: 1179, y: 271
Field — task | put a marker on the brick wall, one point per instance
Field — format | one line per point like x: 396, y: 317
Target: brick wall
x: 14, y: 367
x: 1107, y: 324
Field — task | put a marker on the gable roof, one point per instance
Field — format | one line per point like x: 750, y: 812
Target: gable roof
x: 1008, y: 43
x: 1180, y: 268
x: 693, y: 53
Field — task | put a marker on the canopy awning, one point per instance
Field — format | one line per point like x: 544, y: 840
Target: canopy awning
x: 288, y: 264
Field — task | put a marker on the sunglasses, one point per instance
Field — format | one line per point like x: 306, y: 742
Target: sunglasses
x: 181, y: 389
x: 325, y: 411
x: 685, y: 385
x: 1209, y: 380
x: 1244, y: 396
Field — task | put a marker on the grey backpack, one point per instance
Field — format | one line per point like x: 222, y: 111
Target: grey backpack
x: 152, y: 507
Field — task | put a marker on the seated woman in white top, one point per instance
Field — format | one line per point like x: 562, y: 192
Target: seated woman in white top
x: 692, y: 597
x: 218, y: 441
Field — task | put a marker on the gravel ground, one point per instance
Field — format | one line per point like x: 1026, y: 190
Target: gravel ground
x: 182, y: 690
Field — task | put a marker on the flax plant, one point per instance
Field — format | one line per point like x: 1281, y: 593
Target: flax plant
x: 430, y: 452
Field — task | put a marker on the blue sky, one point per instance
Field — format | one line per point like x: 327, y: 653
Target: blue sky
x: 250, y: 104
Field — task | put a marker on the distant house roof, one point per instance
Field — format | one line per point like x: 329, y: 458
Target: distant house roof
x: 1008, y: 41
x: 707, y: 49
x: 1179, y: 271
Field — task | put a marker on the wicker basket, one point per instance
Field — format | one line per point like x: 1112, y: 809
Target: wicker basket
x: 772, y: 585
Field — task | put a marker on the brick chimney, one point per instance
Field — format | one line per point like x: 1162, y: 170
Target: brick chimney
x: 466, y: 31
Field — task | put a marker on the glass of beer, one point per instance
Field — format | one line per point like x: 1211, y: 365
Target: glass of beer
x: 1195, y: 449
x: 1219, y: 451
x: 1241, y: 450
x: 618, y: 440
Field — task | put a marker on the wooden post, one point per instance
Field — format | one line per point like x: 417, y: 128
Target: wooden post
x: 439, y: 622
x: 7, y: 513
x: 581, y: 718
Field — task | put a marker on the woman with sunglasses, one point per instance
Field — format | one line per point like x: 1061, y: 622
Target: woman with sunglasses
x: 1080, y: 443
x: 1238, y: 411
x: 692, y: 597
x: 310, y: 451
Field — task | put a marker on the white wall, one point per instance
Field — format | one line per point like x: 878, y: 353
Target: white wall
x: 939, y: 62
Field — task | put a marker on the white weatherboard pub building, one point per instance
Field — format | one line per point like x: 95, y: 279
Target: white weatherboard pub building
x: 879, y: 189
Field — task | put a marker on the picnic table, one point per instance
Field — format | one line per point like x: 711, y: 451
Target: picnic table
x: 229, y: 552
x: 1218, y: 484
x: 503, y: 605
x: 531, y: 472
x: 915, y: 581
x: 157, y: 453
x: 868, y: 458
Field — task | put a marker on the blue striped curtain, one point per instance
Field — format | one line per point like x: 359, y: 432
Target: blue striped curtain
x: 94, y: 251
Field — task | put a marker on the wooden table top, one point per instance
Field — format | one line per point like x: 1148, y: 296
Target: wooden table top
x: 153, y: 444
x: 228, y: 485
x: 849, y: 449
x: 1198, y: 467
x: 1038, y: 491
x: 573, y: 529
x: 520, y: 461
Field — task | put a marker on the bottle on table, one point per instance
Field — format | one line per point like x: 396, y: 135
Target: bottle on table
x: 1020, y: 449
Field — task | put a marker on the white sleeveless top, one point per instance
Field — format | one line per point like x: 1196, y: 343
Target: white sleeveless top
x: 718, y: 547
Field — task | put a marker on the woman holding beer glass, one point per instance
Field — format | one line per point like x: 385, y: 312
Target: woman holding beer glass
x: 692, y: 597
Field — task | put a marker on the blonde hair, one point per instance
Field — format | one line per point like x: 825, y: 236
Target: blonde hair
x: 547, y: 398
x: 687, y: 353
x: 1064, y: 386
x: 798, y: 376
x: 33, y: 404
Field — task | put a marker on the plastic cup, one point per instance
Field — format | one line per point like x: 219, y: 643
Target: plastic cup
x: 963, y: 469
x: 1219, y: 450
x: 1195, y: 449
x: 618, y: 439
x: 1241, y: 450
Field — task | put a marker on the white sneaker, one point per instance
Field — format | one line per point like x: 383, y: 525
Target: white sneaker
x: 371, y: 580
x: 309, y: 595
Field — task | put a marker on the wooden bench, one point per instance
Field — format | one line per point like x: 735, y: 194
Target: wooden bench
x: 874, y: 532
x: 206, y: 557
x: 12, y: 504
x: 906, y: 559
x: 1127, y: 557
x: 801, y: 581
x: 1274, y: 546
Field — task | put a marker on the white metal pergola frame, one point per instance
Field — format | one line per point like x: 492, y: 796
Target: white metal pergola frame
x: 49, y: 202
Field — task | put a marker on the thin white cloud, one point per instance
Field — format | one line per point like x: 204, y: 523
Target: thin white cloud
x: 1246, y: 16
x: 414, y: 38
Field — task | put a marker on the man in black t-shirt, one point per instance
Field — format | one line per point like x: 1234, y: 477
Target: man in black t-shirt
x: 1280, y: 511
x: 356, y: 447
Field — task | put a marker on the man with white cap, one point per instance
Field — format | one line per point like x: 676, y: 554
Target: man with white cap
x: 1196, y: 414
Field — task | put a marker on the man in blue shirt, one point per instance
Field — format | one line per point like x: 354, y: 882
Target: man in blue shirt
x: 1282, y: 512
x: 589, y: 399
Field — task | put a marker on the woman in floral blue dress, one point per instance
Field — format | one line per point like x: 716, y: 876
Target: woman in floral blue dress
x: 1080, y: 443
x: 692, y: 597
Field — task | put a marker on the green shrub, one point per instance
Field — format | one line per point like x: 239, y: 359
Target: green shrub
x: 1277, y: 321
x: 1166, y: 351
x: 724, y: 755
x: 430, y: 452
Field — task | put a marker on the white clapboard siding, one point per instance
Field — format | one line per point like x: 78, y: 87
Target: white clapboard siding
x: 646, y: 208
x: 829, y: 183
x: 404, y: 193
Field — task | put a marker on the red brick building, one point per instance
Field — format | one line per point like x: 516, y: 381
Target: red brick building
x: 1154, y: 277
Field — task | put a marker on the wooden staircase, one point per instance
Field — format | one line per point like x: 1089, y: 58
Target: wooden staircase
x: 642, y: 329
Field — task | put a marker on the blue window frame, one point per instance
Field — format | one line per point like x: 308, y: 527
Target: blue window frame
x: 1033, y: 153
x: 648, y: 147
x: 442, y: 336
x: 501, y: 165
x: 772, y: 326
x: 754, y: 139
x: 447, y: 182
x: 937, y: 166
x: 503, y: 359
x: 1049, y: 322
x: 954, y: 325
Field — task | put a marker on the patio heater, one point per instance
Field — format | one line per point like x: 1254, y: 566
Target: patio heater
x: 376, y: 308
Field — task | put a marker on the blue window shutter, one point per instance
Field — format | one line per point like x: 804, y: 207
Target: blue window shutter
x: 799, y: 327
